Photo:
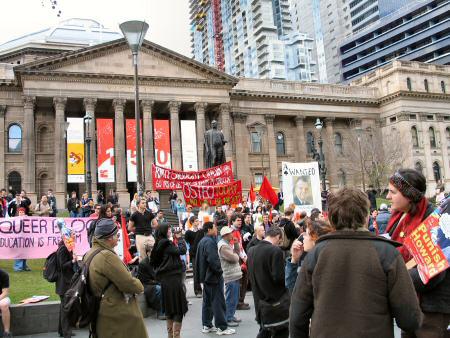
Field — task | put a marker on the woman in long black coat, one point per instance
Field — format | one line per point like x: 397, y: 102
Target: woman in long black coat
x: 166, y: 261
x: 66, y: 261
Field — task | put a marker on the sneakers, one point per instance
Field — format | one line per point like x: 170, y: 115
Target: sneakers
x: 236, y: 320
x: 7, y: 335
x: 232, y: 323
x: 207, y: 329
x: 225, y: 332
x: 243, y: 306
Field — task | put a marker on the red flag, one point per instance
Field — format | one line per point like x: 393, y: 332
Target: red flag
x: 266, y: 191
x: 252, y: 194
x: 126, y: 242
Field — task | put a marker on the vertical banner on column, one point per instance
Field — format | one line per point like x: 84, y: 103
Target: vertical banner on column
x: 105, y: 150
x: 75, y: 150
x: 161, y: 134
x: 189, y: 145
x: 130, y: 125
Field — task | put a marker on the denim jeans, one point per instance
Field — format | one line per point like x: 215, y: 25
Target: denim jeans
x: 232, y: 298
x: 214, y: 305
x: 20, y: 264
x: 173, y: 206
x: 73, y: 214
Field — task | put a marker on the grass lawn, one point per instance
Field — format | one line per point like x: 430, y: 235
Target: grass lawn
x: 382, y: 200
x: 27, y: 284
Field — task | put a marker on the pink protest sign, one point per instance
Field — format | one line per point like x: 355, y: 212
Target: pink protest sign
x: 37, y: 237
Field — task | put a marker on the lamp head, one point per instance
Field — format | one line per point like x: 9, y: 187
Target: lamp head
x: 134, y: 32
x: 318, y: 124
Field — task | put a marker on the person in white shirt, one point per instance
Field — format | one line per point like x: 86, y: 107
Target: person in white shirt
x: 204, y: 212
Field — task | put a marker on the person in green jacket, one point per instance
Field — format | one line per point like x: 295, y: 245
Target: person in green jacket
x: 119, y: 314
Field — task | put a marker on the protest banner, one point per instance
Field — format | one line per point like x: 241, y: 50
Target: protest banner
x: 105, y: 150
x: 168, y: 179
x: 301, y: 185
x: 37, y: 237
x: 225, y: 194
x: 429, y: 243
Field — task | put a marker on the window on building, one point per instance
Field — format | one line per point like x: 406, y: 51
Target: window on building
x: 447, y: 134
x: 14, y: 182
x: 14, y: 138
x: 437, y: 171
x: 443, y: 87
x: 432, y: 135
x: 418, y: 166
x: 408, y: 84
x: 415, y: 137
x: 425, y: 85
x: 309, y: 142
x: 338, y: 143
x: 280, y: 142
x: 256, y: 142
x: 342, y: 178
x: 258, y: 179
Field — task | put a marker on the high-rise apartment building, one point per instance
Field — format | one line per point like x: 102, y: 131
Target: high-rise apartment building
x: 255, y: 38
x: 329, y: 22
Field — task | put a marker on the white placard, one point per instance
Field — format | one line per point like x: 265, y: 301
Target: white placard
x: 301, y: 185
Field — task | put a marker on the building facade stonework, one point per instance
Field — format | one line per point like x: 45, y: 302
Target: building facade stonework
x: 265, y: 122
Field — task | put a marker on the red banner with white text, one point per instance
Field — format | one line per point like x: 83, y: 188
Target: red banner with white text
x: 130, y: 125
x: 225, y: 194
x: 168, y: 179
x: 161, y: 135
x: 105, y: 150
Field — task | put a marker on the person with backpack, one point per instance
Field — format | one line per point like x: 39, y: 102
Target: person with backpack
x: 66, y: 264
x: 110, y: 281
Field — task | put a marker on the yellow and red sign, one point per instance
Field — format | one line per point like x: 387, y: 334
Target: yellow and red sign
x: 75, y: 150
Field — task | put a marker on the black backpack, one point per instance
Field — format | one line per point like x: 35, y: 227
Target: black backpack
x: 91, y: 231
x: 80, y: 305
x: 51, y: 272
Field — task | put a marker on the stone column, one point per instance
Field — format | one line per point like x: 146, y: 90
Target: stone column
x: 241, y: 136
x: 29, y: 148
x: 273, y: 169
x: 174, y: 108
x: 226, y: 129
x: 330, y: 159
x: 60, y: 152
x: 3, y: 138
x: 147, y: 106
x: 300, y: 138
x: 120, y: 155
x: 89, y: 106
x: 200, y: 117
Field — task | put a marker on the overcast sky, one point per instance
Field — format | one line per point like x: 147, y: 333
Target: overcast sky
x: 168, y: 19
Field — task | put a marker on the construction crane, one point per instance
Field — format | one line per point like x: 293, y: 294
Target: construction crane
x: 217, y: 29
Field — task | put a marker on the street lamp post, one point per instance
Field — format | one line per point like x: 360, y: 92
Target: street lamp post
x: 322, y: 167
x: 359, y: 134
x: 87, y: 131
x: 134, y: 32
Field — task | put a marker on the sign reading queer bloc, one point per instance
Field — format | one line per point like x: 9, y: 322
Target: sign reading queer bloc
x: 105, y: 150
x: 225, y: 194
x: 38, y: 237
x: 429, y: 243
x: 301, y: 185
x: 167, y: 179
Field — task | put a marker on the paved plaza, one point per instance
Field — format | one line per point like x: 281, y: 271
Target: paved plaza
x: 191, y: 323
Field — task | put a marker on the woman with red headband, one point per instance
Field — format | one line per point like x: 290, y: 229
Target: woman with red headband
x: 407, y: 188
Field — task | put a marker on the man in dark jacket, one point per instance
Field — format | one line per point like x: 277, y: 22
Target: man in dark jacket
x: 266, y: 272
x: 353, y: 283
x: 289, y: 228
x: 209, y: 272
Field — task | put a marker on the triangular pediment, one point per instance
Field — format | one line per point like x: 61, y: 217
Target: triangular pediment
x: 114, y: 58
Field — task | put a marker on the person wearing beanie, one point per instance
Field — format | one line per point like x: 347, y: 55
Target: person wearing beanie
x: 109, y: 279
x: 410, y: 207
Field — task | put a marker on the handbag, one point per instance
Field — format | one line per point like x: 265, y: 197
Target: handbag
x: 275, y: 315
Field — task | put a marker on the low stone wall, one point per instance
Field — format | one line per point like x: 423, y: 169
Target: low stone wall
x: 34, y: 318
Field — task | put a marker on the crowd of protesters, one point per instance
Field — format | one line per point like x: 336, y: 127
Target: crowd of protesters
x: 337, y: 274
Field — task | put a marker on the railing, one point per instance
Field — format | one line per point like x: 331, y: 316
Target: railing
x: 298, y: 88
